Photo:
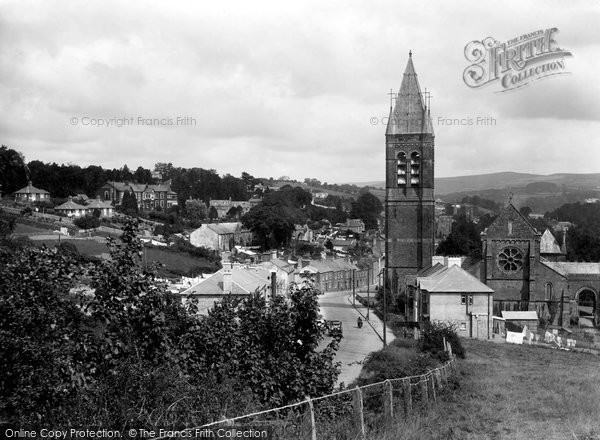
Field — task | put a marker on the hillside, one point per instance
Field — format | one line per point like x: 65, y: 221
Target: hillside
x: 515, y: 392
x: 505, y: 180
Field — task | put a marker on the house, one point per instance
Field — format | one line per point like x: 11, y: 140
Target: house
x: 331, y: 274
x: 223, y: 206
x: 148, y: 196
x: 30, y: 194
x: 71, y: 209
x: 450, y: 294
x: 303, y: 233
x: 284, y: 271
x: 233, y: 280
x: 341, y: 245
x: 221, y: 236
x: 105, y: 208
x: 353, y: 224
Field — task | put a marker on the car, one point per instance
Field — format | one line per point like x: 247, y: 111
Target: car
x: 334, y: 328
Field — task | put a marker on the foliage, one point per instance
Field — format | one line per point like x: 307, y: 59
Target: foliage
x: 433, y: 335
x: 464, y: 239
x: 13, y: 175
x: 583, y: 242
x: 87, y: 222
x: 367, y: 207
x: 74, y: 337
x: 129, y: 204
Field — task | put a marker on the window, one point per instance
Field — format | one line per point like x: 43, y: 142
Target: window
x: 463, y: 326
x: 463, y: 299
x: 401, y: 165
x: 470, y: 300
x: 415, y: 168
x: 548, y: 291
x: 510, y: 259
x: 105, y: 195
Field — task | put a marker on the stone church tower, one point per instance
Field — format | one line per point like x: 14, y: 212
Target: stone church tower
x: 409, y: 202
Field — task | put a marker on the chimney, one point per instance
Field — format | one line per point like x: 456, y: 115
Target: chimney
x: 227, y: 282
x: 564, y: 241
x: 273, y: 254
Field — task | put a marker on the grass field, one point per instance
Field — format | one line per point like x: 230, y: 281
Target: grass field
x: 175, y: 263
x: 515, y: 392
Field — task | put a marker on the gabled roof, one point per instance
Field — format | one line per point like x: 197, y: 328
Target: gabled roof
x: 224, y: 228
x: 98, y: 204
x: 30, y: 189
x: 521, y: 228
x: 548, y: 244
x: 452, y: 279
x: 322, y: 266
x: 409, y: 114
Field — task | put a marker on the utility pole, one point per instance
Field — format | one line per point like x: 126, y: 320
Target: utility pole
x: 368, y: 294
x: 353, y: 289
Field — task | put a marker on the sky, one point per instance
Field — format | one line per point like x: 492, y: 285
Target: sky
x: 298, y: 89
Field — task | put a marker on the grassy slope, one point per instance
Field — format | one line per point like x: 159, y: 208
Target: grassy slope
x: 518, y: 393
x: 172, y: 260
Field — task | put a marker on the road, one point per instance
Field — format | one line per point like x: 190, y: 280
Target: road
x: 356, y: 343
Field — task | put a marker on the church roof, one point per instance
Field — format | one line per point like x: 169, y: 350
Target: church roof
x: 570, y: 268
x: 519, y: 225
x: 452, y: 279
x: 548, y: 244
x: 409, y: 115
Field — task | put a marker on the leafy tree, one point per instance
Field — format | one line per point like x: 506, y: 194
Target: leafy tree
x: 195, y: 210
x: 129, y: 204
x: 368, y: 208
x: 213, y: 213
x: 272, y: 225
x: 142, y: 175
x: 13, y: 175
x: 525, y: 210
x: 464, y: 239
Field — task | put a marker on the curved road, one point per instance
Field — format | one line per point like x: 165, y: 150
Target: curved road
x: 356, y: 343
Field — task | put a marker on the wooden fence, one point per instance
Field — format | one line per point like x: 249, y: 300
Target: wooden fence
x: 348, y: 414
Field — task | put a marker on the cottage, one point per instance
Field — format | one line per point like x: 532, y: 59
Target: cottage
x: 71, y: 209
x: 105, y: 208
x: 30, y: 194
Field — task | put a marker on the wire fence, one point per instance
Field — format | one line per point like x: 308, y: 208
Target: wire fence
x: 348, y: 414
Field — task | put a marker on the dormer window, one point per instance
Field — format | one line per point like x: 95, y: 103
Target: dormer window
x: 415, y: 168
x: 401, y: 168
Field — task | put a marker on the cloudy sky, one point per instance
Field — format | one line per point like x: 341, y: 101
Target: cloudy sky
x: 288, y: 88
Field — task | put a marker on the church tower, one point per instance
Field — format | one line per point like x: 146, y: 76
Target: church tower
x: 409, y: 202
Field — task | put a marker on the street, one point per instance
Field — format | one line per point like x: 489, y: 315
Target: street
x: 357, y: 343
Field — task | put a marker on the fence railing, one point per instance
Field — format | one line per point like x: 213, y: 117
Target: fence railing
x: 348, y: 414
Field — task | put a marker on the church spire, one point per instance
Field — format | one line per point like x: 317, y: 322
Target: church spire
x: 410, y: 114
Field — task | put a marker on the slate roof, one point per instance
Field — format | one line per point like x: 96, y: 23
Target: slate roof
x: 224, y: 228
x: 409, y: 114
x: 548, y: 244
x: 243, y: 282
x: 452, y: 279
x: 322, y: 266
x: 98, y: 204
x: 569, y: 268
x: 70, y: 205
x: 30, y: 189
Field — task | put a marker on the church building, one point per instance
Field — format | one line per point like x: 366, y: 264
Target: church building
x: 409, y: 202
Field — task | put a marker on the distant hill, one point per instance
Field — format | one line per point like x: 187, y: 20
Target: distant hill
x: 505, y: 180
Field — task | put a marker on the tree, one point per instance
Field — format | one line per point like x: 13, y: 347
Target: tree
x: 464, y: 239
x: 13, y: 175
x: 142, y: 175
x: 213, y: 213
x: 87, y: 222
x: 525, y: 211
x: 129, y: 204
x: 272, y: 224
x: 195, y: 210
x: 368, y: 208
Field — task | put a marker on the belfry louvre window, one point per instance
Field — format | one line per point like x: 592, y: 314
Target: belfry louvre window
x: 415, y: 168
x: 401, y: 164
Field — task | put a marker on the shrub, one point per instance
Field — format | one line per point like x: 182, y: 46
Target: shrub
x: 433, y: 335
x: 87, y: 222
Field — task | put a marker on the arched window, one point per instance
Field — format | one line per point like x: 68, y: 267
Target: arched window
x: 401, y: 165
x: 415, y: 168
x: 548, y: 291
x: 510, y: 259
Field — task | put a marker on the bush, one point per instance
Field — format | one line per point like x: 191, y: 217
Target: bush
x: 432, y: 341
x: 87, y: 222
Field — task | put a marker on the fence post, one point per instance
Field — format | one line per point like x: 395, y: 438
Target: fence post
x: 357, y: 405
x: 424, y: 393
x: 388, y: 403
x: 309, y: 428
x: 407, y: 397
x: 432, y: 382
